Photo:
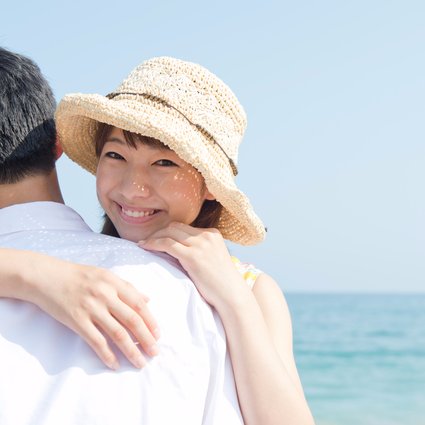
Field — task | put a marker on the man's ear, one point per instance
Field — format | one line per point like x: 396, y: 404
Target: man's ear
x: 58, y: 150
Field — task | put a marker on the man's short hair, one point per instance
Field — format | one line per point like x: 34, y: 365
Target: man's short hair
x: 27, y: 127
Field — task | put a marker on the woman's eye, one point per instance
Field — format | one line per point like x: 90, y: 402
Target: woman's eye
x: 166, y: 163
x: 113, y: 155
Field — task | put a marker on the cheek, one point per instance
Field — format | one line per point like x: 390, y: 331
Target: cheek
x: 188, y: 188
x: 103, y: 184
x: 185, y: 193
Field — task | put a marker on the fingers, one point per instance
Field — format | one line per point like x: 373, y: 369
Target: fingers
x: 119, y: 310
x: 201, y: 252
x: 177, y: 233
x: 97, y: 341
x: 173, y: 239
x: 185, y: 234
x: 130, y: 296
x: 121, y: 338
x: 128, y: 321
x: 146, y: 299
x: 185, y: 242
x: 170, y: 244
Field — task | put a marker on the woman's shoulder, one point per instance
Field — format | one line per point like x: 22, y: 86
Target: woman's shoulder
x: 249, y: 272
x: 265, y: 285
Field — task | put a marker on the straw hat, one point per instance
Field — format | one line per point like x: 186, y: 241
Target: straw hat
x: 187, y: 108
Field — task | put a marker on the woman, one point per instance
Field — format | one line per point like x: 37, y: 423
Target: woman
x: 164, y: 148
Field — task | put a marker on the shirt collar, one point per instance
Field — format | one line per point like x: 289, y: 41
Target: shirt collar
x: 40, y: 216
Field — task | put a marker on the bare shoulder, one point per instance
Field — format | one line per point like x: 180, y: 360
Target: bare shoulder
x: 276, y: 314
x: 269, y: 295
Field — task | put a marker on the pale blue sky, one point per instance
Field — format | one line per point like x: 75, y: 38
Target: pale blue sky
x: 334, y: 154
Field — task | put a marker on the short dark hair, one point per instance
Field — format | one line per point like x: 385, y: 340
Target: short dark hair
x: 27, y: 127
x: 210, y: 213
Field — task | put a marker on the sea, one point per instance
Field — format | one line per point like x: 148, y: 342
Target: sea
x: 361, y: 357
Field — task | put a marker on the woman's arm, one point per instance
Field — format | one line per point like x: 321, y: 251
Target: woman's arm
x: 257, y: 325
x: 91, y: 301
x: 259, y: 336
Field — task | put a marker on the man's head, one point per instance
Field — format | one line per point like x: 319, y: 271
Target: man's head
x: 27, y: 128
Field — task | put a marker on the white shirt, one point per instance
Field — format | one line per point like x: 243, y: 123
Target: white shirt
x: 50, y: 376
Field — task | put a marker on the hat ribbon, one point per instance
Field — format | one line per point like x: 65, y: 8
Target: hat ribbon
x: 198, y: 127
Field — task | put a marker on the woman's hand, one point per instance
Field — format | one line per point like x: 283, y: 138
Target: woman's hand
x: 93, y: 302
x: 257, y: 324
x: 204, y: 256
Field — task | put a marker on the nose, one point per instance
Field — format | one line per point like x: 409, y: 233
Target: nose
x: 136, y: 185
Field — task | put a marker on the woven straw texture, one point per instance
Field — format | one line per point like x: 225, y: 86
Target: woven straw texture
x: 187, y: 108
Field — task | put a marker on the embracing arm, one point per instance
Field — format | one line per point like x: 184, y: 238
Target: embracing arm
x: 259, y: 335
x: 91, y: 301
x: 257, y: 325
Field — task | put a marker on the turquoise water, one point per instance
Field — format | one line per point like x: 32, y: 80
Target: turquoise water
x: 361, y: 357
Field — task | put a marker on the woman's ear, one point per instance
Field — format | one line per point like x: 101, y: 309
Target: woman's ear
x: 209, y: 196
x: 58, y: 150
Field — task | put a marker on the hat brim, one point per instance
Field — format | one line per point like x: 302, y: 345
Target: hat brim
x: 77, y: 119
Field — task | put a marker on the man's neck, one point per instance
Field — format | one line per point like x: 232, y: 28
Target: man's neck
x: 31, y: 189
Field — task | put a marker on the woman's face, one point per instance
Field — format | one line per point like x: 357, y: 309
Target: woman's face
x: 142, y: 190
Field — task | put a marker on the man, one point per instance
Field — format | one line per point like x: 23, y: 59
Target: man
x: 48, y: 374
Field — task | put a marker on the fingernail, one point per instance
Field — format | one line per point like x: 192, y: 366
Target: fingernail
x: 141, y: 242
x: 114, y: 365
x: 156, y: 333
x: 153, y: 350
x: 139, y: 362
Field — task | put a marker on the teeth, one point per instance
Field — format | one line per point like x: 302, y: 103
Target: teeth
x: 137, y: 214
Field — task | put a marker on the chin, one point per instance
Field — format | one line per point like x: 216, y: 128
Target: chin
x: 134, y: 237
x: 129, y: 237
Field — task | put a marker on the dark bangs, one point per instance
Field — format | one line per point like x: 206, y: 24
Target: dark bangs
x: 132, y: 139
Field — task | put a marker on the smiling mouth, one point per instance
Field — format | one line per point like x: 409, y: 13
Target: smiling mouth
x: 138, y: 214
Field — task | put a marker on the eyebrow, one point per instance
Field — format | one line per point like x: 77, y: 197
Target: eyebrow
x: 159, y: 146
x: 116, y: 140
